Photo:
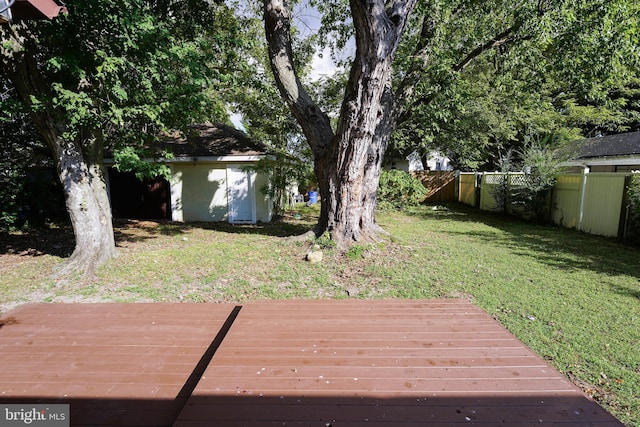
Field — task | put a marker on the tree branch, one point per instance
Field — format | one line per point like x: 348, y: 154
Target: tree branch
x: 497, y: 41
x: 406, y: 88
x: 315, y: 123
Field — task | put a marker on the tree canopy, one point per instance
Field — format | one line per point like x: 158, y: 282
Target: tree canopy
x: 477, y: 77
x: 473, y: 78
x: 110, y: 74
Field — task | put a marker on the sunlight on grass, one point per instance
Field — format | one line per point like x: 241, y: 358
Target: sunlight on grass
x: 571, y: 297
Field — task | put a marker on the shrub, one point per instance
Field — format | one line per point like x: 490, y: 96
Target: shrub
x: 399, y: 189
x: 633, y: 226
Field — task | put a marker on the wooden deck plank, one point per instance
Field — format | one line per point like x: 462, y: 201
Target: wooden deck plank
x: 305, y: 363
x: 116, y: 364
x: 387, y: 363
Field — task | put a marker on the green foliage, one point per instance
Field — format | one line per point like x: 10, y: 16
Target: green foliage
x: 633, y: 204
x: 29, y: 190
x: 501, y: 189
x: 325, y: 241
x: 127, y: 159
x: 356, y: 252
x: 118, y: 73
x: 109, y: 76
x: 527, y: 176
x: 565, y: 68
x: 399, y: 189
x: 284, y: 171
x: 541, y: 167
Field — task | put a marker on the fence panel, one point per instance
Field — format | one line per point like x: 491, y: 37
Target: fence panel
x: 602, y: 203
x: 440, y: 185
x: 591, y: 203
x: 467, y: 188
x: 490, y: 183
x: 566, y: 201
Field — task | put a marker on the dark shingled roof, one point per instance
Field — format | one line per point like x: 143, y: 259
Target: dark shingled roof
x: 624, y: 144
x: 204, y: 140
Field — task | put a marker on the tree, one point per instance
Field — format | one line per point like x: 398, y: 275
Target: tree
x: 267, y: 119
x: 477, y: 77
x: 112, y: 73
x: 347, y: 161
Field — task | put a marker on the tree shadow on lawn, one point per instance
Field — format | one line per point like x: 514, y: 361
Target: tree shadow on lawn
x: 38, y: 241
x: 59, y: 240
x: 137, y: 230
x: 555, y: 246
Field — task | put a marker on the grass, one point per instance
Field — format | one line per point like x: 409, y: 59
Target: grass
x: 571, y: 297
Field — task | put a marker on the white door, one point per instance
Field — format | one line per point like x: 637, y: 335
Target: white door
x: 241, y: 193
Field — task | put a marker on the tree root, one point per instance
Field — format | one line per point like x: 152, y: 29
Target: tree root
x: 306, y: 237
x: 82, y: 263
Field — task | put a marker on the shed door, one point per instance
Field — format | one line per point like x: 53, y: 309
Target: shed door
x: 241, y: 192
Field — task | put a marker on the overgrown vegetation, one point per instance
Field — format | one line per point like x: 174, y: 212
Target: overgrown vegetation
x: 133, y: 159
x: 572, y: 297
x: 399, y: 189
x: 286, y: 172
x: 633, y: 226
x: 526, y: 178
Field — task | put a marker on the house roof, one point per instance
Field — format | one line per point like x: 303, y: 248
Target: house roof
x: 621, y: 145
x: 211, y: 140
x: 37, y: 9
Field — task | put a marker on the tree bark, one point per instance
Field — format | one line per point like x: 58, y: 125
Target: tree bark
x: 78, y: 165
x: 348, y: 162
x: 88, y: 206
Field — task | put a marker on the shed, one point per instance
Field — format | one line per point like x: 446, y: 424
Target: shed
x: 209, y: 180
x: 612, y: 153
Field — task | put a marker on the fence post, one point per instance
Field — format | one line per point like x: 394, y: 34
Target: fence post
x: 478, y: 189
x: 583, y: 193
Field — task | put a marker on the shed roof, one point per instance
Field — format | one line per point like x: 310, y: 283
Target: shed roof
x: 204, y: 140
x: 621, y: 145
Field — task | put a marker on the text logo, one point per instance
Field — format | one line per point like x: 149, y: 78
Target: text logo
x: 34, y: 415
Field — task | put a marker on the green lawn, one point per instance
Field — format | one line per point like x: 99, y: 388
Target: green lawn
x: 573, y: 298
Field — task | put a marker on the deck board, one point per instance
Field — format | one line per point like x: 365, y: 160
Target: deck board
x: 386, y: 363
x: 115, y: 364
x: 294, y: 363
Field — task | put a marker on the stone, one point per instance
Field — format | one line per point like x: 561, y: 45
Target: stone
x: 314, y: 257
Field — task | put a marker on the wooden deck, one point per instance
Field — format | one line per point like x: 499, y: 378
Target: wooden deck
x: 293, y: 363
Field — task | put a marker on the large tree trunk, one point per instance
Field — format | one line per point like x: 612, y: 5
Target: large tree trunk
x: 88, y: 206
x: 347, y: 162
x: 78, y: 165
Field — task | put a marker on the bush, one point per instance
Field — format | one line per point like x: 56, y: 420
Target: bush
x: 399, y: 189
x: 633, y: 225
x: 526, y: 194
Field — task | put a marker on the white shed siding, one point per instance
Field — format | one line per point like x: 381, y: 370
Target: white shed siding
x: 200, y: 192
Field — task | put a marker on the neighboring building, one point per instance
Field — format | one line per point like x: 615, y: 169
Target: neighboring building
x: 613, y: 153
x: 208, y: 182
x: 30, y: 10
x: 412, y: 163
x: 438, y: 162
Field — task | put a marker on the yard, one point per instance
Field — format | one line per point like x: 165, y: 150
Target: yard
x: 573, y: 298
